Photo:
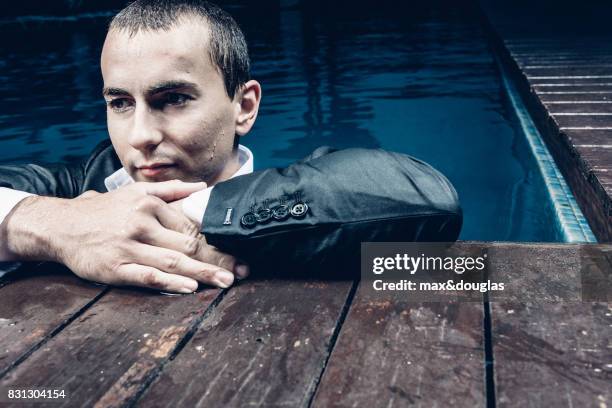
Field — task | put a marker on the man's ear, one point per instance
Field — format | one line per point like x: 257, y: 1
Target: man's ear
x: 247, y: 99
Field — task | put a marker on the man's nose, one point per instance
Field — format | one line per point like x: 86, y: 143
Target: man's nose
x: 145, y: 133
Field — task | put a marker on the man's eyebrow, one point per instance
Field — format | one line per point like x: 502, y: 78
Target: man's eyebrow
x: 108, y: 91
x: 155, y: 89
x: 170, y: 86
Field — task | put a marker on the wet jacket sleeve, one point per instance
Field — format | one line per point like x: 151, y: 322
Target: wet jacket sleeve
x: 62, y: 180
x: 316, y: 212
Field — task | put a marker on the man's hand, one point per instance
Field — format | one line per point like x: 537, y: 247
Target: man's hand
x: 241, y: 269
x: 130, y: 236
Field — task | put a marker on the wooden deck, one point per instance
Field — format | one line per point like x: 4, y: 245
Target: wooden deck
x: 307, y: 343
x: 561, y: 59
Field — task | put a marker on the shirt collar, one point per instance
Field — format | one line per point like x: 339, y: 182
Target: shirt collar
x: 121, y: 177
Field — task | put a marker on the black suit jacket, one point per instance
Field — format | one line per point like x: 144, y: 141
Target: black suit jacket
x: 312, y: 215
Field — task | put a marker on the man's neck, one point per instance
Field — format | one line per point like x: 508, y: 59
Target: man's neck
x: 230, y: 168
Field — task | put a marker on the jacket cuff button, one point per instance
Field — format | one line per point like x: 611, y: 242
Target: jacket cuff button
x: 248, y: 220
x: 299, y: 210
x: 280, y: 212
x: 263, y: 216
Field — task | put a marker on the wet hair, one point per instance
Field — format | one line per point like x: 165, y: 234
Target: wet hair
x: 228, y: 48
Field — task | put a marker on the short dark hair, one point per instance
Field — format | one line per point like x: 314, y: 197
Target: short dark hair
x: 228, y: 48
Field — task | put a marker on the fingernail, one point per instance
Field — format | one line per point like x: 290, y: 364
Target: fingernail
x: 186, y: 290
x: 224, y: 279
x: 242, y: 270
x: 189, y: 287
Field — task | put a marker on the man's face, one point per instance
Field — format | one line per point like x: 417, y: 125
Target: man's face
x: 169, y: 116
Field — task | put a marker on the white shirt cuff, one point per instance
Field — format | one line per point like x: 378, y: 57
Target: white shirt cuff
x: 195, y: 205
x: 10, y: 198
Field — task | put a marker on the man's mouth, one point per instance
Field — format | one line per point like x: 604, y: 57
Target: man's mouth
x: 155, y: 169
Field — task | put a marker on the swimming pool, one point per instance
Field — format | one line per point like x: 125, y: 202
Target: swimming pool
x: 420, y: 80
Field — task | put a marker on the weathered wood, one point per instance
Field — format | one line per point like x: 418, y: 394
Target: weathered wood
x: 562, y: 61
x: 603, y: 86
x: 575, y: 55
x: 579, y: 108
x: 553, y: 41
x: 105, y: 356
x: 599, y: 159
x: 544, y: 272
x: 577, y: 96
x: 264, y: 345
x: 402, y: 353
x: 568, y: 72
x: 560, y: 46
x: 552, y: 353
x: 268, y: 342
x: 566, y: 81
x: 589, y: 137
x: 598, y: 156
x: 36, y: 304
x: 582, y: 121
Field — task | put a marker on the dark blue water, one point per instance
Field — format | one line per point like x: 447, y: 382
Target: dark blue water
x: 420, y: 81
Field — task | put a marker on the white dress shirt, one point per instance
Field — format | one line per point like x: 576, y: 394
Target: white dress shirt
x: 194, y: 206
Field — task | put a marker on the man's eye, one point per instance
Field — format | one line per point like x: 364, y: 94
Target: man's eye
x: 175, y: 99
x: 119, y: 105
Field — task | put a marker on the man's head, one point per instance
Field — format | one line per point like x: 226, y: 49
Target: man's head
x: 178, y: 92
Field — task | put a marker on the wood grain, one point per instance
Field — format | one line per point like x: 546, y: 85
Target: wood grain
x: 399, y: 353
x: 553, y: 353
x: 265, y: 345
x: 35, y: 304
x: 106, y: 356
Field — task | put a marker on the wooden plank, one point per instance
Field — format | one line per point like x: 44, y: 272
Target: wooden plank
x: 603, y: 86
x: 579, y: 108
x: 36, y: 303
x: 530, y: 274
x: 588, y: 121
x: 600, y: 155
x: 589, y: 137
x: 265, y: 345
x: 577, y: 96
x: 570, y: 43
x: 605, y: 178
x: 557, y: 45
x: 402, y: 353
x: 592, y: 60
x: 109, y: 352
x: 556, y: 64
x: 568, y: 71
x: 554, y: 54
x: 547, y: 41
x: 567, y: 80
x: 552, y: 353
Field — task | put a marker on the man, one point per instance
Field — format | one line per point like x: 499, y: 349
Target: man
x: 179, y: 96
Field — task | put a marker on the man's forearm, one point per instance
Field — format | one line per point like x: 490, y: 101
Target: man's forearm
x: 26, y: 231
x: 130, y: 236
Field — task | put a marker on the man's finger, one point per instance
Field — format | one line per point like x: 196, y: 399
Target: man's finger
x: 196, y: 247
x: 171, y: 190
x: 175, y: 262
x: 175, y: 220
x: 149, y: 277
